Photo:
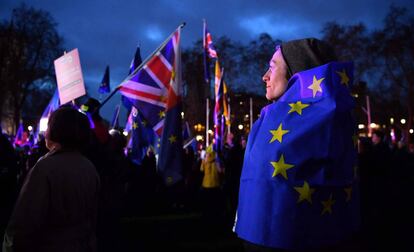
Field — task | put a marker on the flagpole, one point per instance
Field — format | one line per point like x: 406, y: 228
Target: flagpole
x: 369, y: 116
x: 207, y: 121
x: 229, y: 115
x: 251, y: 113
x: 141, y: 65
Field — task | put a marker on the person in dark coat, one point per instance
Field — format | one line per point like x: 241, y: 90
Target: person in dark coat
x: 8, y: 180
x: 57, y: 206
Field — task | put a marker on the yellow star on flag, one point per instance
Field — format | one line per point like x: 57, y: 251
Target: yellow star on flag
x: 316, y: 85
x: 297, y: 107
x: 348, y: 191
x: 280, y: 167
x: 172, y: 139
x: 278, y: 134
x: 135, y: 125
x: 344, y: 77
x: 327, y: 205
x: 161, y: 114
x: 305, y: 193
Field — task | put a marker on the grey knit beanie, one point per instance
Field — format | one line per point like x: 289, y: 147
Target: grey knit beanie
x: 304, y: 54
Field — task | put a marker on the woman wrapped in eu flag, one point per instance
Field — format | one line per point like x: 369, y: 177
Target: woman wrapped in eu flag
x: 297, y: 189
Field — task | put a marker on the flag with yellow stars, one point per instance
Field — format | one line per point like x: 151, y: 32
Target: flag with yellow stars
x: 142, y: 137
x: 296, y: 188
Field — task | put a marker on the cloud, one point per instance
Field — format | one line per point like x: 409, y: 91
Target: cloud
x: 154, y: 33
x: 277, y: 26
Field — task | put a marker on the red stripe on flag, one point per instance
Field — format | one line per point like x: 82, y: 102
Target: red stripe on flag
x: 160, y: 71
x: 159, y: 131
x: 140, y: 93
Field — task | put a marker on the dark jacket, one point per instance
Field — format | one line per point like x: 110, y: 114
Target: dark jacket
x: 57, y: 206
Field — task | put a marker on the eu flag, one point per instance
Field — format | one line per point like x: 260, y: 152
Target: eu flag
x: 297, y: 186
x: 104, y: 86
x: 142, y: 137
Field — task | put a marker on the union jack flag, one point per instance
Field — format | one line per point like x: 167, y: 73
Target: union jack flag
x: 153, y: 88
x: 208, y: 43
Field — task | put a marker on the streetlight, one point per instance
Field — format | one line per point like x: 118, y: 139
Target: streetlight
x: 240, y: 126
x: 403, y: 121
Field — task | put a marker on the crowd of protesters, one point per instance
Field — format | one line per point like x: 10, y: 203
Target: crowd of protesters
x: 385, y: 172
x: 125, y: 188
x: 386, y: 175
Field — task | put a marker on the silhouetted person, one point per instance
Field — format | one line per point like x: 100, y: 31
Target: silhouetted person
x: 57, y: 206
x: 8, y: 180
x: 112, y: 201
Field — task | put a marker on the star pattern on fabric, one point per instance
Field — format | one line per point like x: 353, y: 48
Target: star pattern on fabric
x: 344, y: 77
x: 316, y: 85
x: 348, y: 191
x: 280, y: 167
x: 297, y: 107
x: 172, y: 139
x: 327, y: 205
x: 134, y: 125
x: 305, y: 193
x: 161, y: 114
x: 278, y: 134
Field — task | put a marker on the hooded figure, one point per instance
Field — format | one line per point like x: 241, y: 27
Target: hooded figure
x: 297, y: 178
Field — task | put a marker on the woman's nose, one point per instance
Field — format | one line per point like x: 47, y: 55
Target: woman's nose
x: 266, y: 76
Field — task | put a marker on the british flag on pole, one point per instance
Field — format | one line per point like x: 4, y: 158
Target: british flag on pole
x: 155, y: 89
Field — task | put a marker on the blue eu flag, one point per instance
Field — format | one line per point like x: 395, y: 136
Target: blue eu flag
x: 104, y: 86
x: 142, y: 137
x: 296, y: 188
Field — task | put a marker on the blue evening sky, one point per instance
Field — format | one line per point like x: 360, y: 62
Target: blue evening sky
x: 107, y: 32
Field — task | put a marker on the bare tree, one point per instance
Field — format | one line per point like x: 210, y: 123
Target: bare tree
x: 29, y: 45
x: 393, y: 46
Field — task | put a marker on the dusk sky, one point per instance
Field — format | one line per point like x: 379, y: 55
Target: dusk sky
x: 107, y: 32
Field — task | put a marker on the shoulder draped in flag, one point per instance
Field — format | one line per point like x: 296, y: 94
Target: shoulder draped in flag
x: 104, y: 86
x: 155, y: 90
x: 299, y: 164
